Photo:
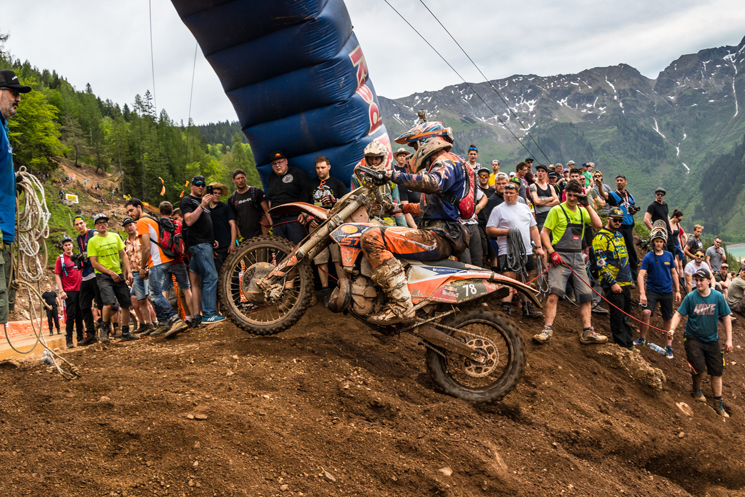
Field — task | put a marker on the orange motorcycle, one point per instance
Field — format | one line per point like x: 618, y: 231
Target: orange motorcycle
x: 473, y: 351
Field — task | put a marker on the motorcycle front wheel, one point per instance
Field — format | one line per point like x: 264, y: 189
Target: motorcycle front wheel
x: 497, y: 338
x: 272, y: 317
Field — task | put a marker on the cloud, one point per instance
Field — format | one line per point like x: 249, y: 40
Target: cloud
x: 107, y: 44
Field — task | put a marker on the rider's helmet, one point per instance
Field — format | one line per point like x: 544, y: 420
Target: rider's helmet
x: 658, y: 233
x: 616, y: 213
x: 376, y: 149
x: 427, y: 149
x: 424, y: 131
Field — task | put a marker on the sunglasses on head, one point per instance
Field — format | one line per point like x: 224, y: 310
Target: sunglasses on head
x: 473, y: 149
x: 510, y: 188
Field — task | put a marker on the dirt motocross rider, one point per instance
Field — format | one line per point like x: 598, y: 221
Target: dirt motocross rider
x: 441, y: 176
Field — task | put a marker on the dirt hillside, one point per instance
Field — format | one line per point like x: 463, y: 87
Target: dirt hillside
x: 329, y: 408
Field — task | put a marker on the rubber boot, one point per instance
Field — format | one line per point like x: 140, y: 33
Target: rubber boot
x: 391, y: 278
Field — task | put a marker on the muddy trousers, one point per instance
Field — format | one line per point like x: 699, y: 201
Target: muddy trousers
x: 619, y: 322
x: 382, y: 244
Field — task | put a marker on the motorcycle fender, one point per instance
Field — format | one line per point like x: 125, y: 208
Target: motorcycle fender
x: 299, y: 207
x: 475, y: 285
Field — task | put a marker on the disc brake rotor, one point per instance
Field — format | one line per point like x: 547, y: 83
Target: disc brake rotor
x: 489, y: 354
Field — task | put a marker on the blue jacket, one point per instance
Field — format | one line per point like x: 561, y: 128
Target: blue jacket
x: 7, y: 185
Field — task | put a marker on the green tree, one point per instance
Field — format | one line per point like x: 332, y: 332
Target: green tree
x: 34, y: 132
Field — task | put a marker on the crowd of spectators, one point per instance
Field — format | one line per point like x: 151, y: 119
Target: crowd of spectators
x: 563, y: 218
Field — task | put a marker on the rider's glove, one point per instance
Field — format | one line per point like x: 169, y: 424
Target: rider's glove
x: 555, y: 258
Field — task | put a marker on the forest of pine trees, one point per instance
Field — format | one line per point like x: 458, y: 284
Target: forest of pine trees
x: 56, y: 120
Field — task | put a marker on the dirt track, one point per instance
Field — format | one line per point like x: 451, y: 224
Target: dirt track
x: 329, y: 408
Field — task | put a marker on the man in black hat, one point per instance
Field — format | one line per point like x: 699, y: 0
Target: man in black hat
x: 285, y: 185
x: 10, y: 97
x: 200, y: 241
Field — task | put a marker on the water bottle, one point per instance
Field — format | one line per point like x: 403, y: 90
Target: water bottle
x: 657, y: 348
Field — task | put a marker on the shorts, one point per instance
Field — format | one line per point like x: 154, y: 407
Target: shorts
x: 529, y: 265
x: 559, y: 275
x: 112, y: 292
x: 679, y: 252
x: 181, y: 274
x: 140, y: 287
x: 333, y: 250
x: 666, y: 303
x: 702, y: 354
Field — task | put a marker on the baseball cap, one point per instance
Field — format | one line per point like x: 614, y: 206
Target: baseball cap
x: 570, y: 163
x: 529, y: 159
x: 8, y: 79
x: 660, y: 189
x: 197, y: 179
x: 277, y: 155
x: 702, y: 273
x: 541, y: 166
x: 553, y: 174
x: 484, y: 170
x: 127, y: 221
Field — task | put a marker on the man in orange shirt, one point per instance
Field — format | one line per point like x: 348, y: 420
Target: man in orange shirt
x: 158, y: 264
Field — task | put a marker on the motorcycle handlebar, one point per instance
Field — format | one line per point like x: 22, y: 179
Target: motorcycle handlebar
x: 375, y: 175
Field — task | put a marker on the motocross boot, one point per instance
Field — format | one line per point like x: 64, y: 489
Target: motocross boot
x: 391, y: 278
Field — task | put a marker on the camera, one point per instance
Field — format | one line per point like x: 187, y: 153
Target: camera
x: 79, y: 260
x: 633, y: 209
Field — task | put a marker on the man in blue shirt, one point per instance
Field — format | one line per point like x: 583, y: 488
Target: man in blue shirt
x: 10, y: 97
x: 704, y: 307
x: 658, y: 266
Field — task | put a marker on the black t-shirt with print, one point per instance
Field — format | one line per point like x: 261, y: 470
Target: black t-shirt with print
x: 248, y: 212
x: 293, y: 186
x: 331, y: 187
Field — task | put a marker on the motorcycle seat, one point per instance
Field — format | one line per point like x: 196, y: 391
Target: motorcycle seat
x: 443, y: 263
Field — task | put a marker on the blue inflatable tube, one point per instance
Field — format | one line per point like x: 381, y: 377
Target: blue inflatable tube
x: 296, y: 76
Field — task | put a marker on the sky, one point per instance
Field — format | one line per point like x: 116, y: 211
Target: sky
x: 107, y: 44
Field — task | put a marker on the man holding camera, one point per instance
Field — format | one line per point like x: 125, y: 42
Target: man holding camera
x: 625, y: 201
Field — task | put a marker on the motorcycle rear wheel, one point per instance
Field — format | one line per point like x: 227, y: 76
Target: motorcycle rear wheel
x: 461, y: 378
x: 272, y: 317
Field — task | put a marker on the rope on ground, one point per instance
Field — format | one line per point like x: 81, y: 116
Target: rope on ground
x: 27, y: 268
x: 610, y: 303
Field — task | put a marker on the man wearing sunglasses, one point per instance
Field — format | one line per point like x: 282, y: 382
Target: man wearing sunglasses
x: 10, y: 97
x: 562, y: 237
x: 697, y: 263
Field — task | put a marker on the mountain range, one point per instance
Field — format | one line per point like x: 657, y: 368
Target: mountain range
x: 667, y: 131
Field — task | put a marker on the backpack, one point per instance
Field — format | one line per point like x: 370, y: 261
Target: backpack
x: 170, y: 236
x: 467, y: 204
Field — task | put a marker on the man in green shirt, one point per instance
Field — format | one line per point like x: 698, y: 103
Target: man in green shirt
x: 562, y: 236
x: 106, y: 253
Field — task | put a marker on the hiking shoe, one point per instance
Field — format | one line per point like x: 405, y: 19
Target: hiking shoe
x: 507, y: 308
x: 214, y: 319
x: 160, y: 330
x: 196, y: 321
x: 720, y: 408
x: 600, y: 310
x: 544, y: 336
x: 640, y: 342
x: 531, y: 312
x: 104, y: 330
x: 141, y: 329
x: 89, y: 340
x: 326, y: 292
x: 176, y: 326
x: 699, y: 395
x: 129, y: 337
x: 70, y: 345
x: 589, y: 336
x: 669, y: 351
